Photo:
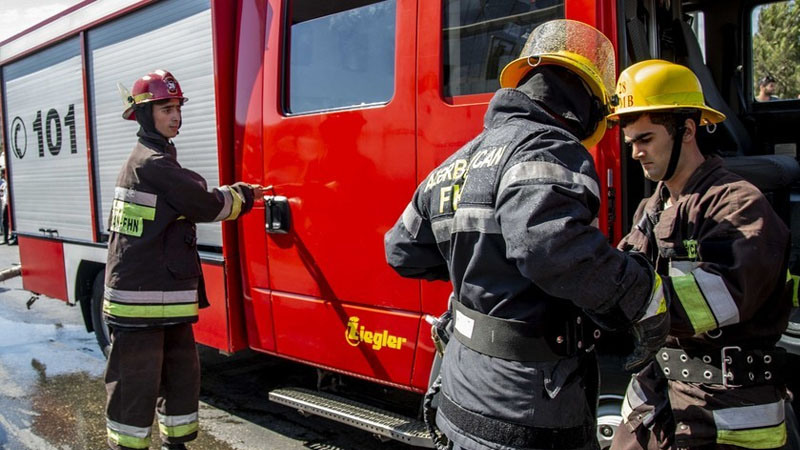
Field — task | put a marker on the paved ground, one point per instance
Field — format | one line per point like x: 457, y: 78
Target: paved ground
x: 52, y: 393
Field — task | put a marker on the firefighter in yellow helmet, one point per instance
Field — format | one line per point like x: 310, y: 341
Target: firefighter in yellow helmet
x: 509, y: 220
x: 722, y: 254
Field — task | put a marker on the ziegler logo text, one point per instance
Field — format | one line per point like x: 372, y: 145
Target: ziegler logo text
x: 356, y: 334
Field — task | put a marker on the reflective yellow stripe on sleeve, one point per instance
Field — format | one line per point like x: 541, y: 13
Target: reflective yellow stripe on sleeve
x: 233, y: 200
x: 693, y: 302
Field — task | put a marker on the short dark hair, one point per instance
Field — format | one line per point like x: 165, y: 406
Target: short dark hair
x: 671, y: 120
x: 766, y: 79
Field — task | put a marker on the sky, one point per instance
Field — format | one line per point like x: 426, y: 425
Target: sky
x: 18, y: 15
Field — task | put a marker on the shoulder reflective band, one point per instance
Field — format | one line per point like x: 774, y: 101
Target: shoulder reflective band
x: 757, y: 426
x: 177, y: 426
x: 149, y: 311
x: 546, y: 171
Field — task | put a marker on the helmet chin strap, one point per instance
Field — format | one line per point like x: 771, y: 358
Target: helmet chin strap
x: 676, y: 153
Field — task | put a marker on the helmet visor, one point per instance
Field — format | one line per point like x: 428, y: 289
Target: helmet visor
x: 565, y: 37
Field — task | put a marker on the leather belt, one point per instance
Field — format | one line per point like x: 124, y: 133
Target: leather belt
x: 729, y: 366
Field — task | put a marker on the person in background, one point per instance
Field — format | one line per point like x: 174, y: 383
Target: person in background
x: 5, y: 211
x: 766, y: 89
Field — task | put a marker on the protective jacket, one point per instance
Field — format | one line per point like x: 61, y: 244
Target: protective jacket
x: 153, y: 275
x: 722, y: 254
x: 510, y: 219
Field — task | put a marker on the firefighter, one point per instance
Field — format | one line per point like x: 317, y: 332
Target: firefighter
x: 510, y: 219
x: 722, y: 255
x: 154, y: 283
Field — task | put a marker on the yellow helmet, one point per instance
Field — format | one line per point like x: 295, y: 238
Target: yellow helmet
x: 576, y: 46
x: 657, y: 85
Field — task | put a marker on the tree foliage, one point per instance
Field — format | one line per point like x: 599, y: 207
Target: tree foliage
x: 776, y: 47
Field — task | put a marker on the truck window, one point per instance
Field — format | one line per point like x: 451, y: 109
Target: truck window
x: 698, y: 23
x: 479, y: 38
x: 775, y: 31
x: 340, y: 55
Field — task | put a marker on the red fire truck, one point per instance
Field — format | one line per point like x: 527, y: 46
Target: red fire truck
x: 343, y: 108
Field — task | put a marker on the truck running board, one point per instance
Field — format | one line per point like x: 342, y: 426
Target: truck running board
x: 359, y: 415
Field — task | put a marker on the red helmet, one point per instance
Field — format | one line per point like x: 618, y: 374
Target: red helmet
x: 156, y: 85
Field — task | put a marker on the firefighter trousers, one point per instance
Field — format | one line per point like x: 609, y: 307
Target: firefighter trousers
x: 148, y: 370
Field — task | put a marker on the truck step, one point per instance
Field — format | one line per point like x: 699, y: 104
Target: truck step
x: 359, y: 415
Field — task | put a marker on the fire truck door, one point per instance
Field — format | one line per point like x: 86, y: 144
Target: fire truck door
x: 339, y: 148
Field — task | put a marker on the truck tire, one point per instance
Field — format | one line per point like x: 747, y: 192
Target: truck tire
x: 100, y: 328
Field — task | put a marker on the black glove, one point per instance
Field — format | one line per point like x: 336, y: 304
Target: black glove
x: 441, y: 330
x: 651, y: 331
x: 246, y: 192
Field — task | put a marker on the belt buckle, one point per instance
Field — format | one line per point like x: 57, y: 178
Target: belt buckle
x: 727, y: 375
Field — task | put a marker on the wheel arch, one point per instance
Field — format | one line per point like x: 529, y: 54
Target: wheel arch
x: 84, y: 281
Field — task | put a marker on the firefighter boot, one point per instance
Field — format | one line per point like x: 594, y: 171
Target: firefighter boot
x: 173, y: 447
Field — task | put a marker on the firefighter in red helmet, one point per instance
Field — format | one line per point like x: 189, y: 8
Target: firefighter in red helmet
x: 154, y: 283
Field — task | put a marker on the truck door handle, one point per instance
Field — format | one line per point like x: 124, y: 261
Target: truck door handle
x: 276, y: 208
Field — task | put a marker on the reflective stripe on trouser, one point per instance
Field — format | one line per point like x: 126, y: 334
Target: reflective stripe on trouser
x: 149, y: 369
x: 177, y: 426
x: 127, y: 435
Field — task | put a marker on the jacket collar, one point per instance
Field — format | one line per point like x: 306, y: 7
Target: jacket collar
x: 709, y: 166
x: 509, y: 104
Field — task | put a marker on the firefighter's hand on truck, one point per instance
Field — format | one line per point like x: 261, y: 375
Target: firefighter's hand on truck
x: 259, y: 191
